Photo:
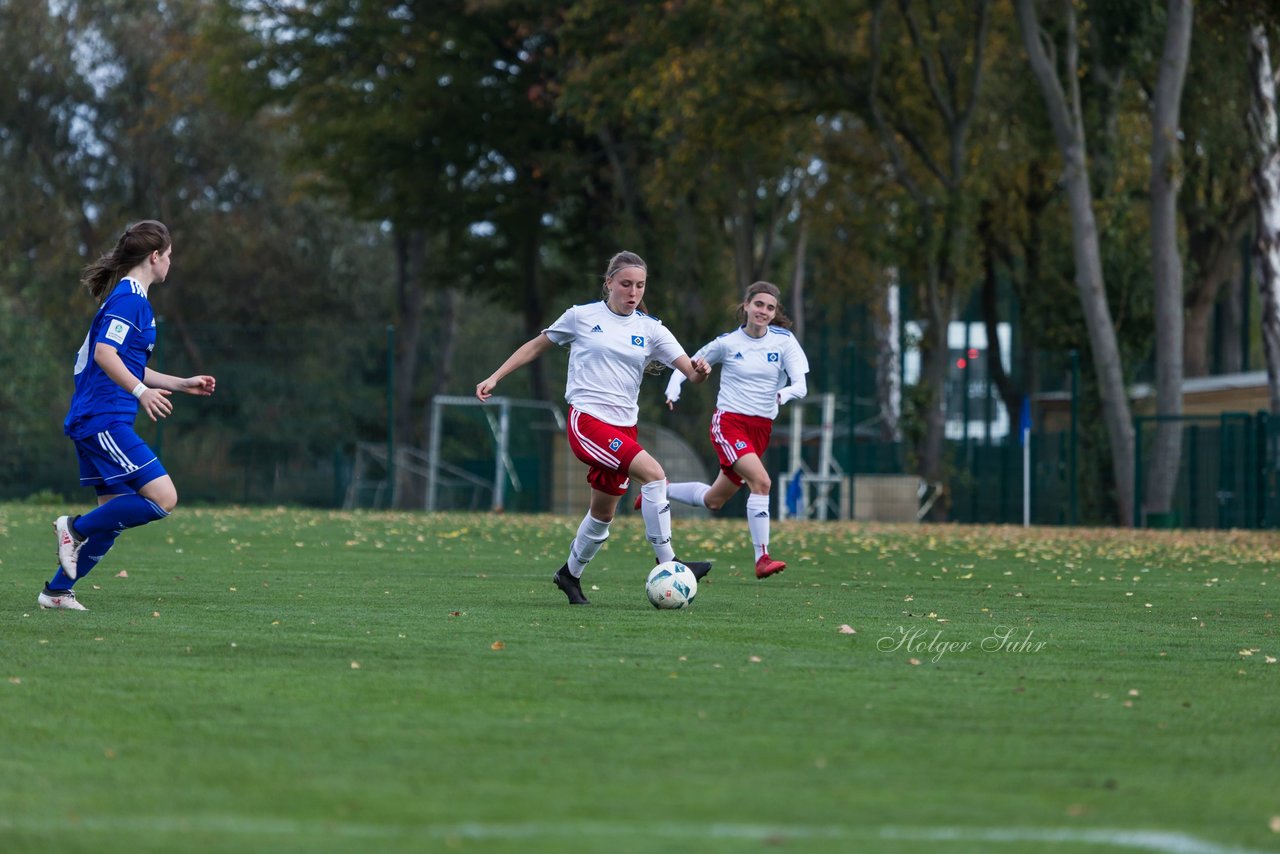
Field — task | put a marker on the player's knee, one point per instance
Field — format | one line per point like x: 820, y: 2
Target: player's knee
x: 762, y: 486
x: 713, y: 502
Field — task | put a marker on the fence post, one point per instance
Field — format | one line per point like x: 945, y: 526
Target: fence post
x: 391, y: 414
x: 1137, y: 470
x: 1073, y: 490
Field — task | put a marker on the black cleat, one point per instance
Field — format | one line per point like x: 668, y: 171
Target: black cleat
x: 571, y: 586
x: 699, y: 568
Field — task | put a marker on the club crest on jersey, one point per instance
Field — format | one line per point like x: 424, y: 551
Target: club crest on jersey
x: 615, y: 444
x: 117, y: 331
x: 773, y: 357
x: 637, y: 340
x: 596, y: 328
x: 739, y: 445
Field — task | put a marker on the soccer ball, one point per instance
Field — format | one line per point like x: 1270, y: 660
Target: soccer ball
x: 671, y: 585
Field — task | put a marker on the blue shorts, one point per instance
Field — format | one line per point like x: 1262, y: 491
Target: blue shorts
x: 117, y: 461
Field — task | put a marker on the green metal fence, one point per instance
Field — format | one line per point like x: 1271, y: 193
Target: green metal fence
x: 1227, y: 475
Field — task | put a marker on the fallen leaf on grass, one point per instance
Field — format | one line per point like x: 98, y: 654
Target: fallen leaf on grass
x: 497, y: 645
x: 1275, y: 824
x: 355, y: 665
x: 124, y: 573
x: 913, y: 661
x: 846, y: 629
x: 755, y: 659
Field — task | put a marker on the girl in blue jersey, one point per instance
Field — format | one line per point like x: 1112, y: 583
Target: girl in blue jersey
x: 611, y: 342
x: 112, y: 382
x: 763, y: 368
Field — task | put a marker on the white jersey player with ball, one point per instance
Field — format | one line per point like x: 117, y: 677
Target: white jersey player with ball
x: 763, y: 367
x: 611, y: 343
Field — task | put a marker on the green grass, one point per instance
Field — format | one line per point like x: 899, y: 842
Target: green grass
x: 310, y: 681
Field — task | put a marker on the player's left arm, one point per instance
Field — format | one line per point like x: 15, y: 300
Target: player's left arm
x: 201, y: 384
x: 796, y: 364
x: 695, y: 370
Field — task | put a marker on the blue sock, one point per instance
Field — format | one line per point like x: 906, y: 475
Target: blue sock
x: 127, y: 511
x: 60, y: 582
x: 91, y: 554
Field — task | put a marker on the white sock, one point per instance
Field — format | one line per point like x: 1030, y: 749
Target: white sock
x: 689, y: 492
x: 591, y: 536
x: 758, y: 522
x: 657, y: 519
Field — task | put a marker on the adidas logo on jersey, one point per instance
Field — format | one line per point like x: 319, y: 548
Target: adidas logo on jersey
x: 737, y: 355
x: 597, y: 328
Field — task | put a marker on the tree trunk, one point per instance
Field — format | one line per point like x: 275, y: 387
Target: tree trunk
x: 534, y: 306
x: 935, y: 357
x: 1009, y: 392
x: 889, y: 361
x: 1219, y: 254
x: 1231, y: 334
x: 446, y: 343
x: 797, y: 280
x: 1166, y: 259
x: 1068, y: 128
x: 1266, y: 184
x: 411, y: 257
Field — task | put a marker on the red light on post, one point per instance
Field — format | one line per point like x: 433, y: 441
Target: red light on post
x: 973, y: 354
x: 961, y: 363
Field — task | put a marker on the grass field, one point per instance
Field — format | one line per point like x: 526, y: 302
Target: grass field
x: 286, y: 680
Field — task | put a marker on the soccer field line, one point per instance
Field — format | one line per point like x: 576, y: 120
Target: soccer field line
x: 1165, y: 842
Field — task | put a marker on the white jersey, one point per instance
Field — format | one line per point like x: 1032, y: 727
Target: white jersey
x: 756, y: 373
x: 607, y: 357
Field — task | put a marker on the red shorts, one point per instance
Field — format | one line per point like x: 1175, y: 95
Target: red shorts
x: 608, y: 450
x: 735, y: 435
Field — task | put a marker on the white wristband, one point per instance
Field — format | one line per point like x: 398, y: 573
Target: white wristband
x: 139, y: 389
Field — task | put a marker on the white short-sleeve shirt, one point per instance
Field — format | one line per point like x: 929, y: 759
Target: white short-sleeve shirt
x: 754, y: 370
x: 608, y: 353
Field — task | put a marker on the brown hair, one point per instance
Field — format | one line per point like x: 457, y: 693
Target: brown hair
x: 621, y: 261
x: 779, y: 319
x: 138, y: 241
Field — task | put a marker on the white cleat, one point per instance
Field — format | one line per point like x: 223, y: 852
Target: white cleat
x: 65, y: 600
x: 68, y: 546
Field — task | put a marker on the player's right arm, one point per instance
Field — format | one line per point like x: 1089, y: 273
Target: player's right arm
x: 708, y: 354
x: 527, y: 352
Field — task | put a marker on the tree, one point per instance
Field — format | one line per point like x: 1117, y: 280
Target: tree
x: 1166, y: 257
x: 1215, y: 201
x: 1264, y: 130
x: 926, y: 144
x: 1067, y: 118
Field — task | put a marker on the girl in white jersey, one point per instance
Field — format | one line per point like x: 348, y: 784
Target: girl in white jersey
x: 610, y: 344
x: 764, y: 367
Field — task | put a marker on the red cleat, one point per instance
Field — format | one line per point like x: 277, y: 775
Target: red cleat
x: 767, y: 566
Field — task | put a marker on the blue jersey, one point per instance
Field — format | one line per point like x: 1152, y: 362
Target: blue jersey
x: 126, y: 322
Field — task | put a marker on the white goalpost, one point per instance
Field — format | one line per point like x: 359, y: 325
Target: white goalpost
x: 818, y: 500
x: 497, y: 413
